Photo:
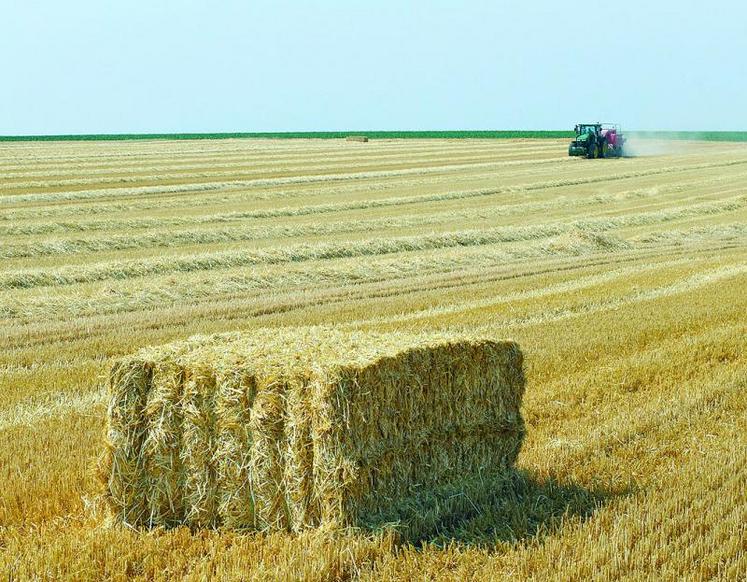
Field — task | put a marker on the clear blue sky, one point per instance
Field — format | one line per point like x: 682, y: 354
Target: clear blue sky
x: 85, y: 66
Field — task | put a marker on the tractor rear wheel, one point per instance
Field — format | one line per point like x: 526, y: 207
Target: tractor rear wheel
x: 594, y: 151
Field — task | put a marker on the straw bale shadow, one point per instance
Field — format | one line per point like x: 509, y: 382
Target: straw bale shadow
x: 513, y: 508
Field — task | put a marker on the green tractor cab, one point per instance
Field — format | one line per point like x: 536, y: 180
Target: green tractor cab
x: 597, y: 140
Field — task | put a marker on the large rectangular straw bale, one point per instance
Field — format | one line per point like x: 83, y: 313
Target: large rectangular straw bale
x: 295, y: 428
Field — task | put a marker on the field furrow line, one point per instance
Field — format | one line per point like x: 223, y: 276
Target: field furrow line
x: 291, y: 178
x: 425, y: 278
x: 330, y: 178
x: 561, y: 201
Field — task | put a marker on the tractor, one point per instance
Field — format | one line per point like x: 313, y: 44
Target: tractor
x: 597, y: 140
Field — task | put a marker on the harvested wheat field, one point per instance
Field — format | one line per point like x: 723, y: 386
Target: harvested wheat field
x: 624, y: 282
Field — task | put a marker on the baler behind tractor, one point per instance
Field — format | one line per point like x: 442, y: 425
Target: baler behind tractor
x: 597, y: 140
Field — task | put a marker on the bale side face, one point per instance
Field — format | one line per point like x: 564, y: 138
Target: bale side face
x: 405, y: 425
x: 294, y: 429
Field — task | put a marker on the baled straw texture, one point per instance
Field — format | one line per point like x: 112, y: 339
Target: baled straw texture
x: 296, y: 428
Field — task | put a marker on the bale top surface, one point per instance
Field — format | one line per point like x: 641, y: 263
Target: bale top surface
x: 286, y: 350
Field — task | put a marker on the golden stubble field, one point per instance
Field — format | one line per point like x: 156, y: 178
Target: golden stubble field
x: 623, y: 280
